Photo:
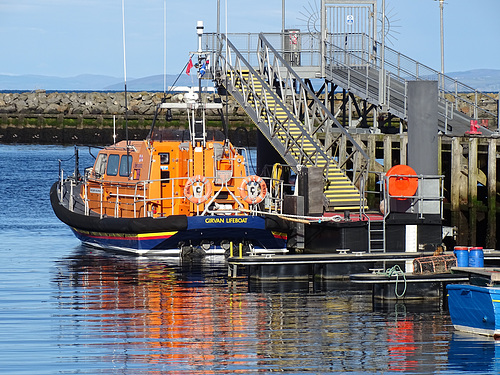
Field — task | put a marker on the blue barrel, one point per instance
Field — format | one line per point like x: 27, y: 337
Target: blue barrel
x: 476, y: 257
x: 462, y: 254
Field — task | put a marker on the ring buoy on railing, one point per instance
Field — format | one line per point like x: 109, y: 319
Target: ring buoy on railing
x: 253, y: 189
x: 194, y: 188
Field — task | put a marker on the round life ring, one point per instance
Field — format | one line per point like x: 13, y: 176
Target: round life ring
x: 253, y: 189
x: 401, y: 185
x: 193, y: 190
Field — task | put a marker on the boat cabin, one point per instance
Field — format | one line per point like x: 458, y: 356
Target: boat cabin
x: 160, y: 178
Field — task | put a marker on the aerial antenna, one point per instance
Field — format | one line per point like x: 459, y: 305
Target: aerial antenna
x: 125, y: 83
x: 226, y: 140
x: 164, y: 48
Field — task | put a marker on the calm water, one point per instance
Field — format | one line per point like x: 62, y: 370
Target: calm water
x: 67, y: 309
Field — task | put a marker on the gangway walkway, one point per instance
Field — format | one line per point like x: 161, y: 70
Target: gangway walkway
x: 385, y: 84
x: 298, y: 124
x: 381, y: 82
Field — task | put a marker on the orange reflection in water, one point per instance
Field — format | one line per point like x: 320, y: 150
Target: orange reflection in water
x: 157, y: 316
x: 401, y: 345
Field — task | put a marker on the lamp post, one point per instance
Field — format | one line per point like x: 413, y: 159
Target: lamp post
x: 441, y: 10
x: 283, y: 25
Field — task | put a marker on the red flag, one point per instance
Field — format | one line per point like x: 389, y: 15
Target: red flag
x: 190, y: 65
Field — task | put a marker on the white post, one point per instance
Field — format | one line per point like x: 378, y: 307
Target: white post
x: 199, y: 31
x: 114, y: 129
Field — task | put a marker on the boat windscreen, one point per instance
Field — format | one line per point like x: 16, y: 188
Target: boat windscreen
x: 125, y: 166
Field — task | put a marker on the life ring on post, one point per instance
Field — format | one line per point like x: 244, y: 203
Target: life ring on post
x: 401, y: 183
x: 253, y: 189
x: 193, y: 190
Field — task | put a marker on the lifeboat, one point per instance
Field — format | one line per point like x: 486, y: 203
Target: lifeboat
x: 172, y: 193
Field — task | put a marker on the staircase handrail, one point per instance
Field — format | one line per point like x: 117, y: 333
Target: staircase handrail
x: 304, y: 94
x: 234, y: 73
x: 406, y: 68
x: 396, y: 64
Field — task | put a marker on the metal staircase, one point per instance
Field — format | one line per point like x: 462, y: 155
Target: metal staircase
x: 291, y: 117
x: 383, y: 82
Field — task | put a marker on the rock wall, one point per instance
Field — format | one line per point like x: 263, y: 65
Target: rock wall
x: 63, y: 117
x: 88, y: 103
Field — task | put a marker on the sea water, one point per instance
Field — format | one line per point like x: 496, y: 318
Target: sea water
x: 68, y: 309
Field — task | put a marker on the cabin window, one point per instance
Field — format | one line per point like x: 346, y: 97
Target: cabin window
x: 164, y: 158
x: 125, y: 167
x: 100, y: 165
x: 113, y: 162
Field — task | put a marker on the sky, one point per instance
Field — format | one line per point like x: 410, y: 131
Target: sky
x: 66, y: 38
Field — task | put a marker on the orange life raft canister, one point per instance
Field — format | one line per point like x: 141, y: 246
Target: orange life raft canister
x: 401, y: 184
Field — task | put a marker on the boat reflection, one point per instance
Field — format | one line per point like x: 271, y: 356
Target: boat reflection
x: 157, y: 309
x: 185, y: 317
x: 406, y: 333
x: 474, y: 353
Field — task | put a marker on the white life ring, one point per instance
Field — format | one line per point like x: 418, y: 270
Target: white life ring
x: 253, y: 189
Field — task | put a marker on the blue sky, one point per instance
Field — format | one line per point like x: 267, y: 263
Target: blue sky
x: 66, y: 38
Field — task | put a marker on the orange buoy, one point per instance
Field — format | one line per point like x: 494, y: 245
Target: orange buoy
x: 401, y: 184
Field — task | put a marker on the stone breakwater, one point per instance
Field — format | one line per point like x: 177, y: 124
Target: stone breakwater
x: 89, y: 103
x: 90, y: 117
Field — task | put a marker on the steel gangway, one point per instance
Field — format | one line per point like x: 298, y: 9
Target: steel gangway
x: 356, y: 63
x: 293, y: 119
x: 382, y: 80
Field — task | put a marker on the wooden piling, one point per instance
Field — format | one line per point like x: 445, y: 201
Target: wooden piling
x: 472, y: 196
x: 492, y: 194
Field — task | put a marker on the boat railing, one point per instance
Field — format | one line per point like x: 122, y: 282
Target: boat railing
x: 134, y: 196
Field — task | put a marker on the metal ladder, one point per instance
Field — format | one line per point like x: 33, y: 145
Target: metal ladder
x: 376, y: 235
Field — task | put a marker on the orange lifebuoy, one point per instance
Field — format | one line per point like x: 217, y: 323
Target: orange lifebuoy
x: 400, y: 182
x: 194, y: 188
x: 253, y: 189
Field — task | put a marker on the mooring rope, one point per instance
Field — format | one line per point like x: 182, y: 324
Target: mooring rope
x: 397, y: 271
x: 296, y: 218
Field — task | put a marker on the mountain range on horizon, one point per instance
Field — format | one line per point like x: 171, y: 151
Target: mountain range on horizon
x: 485, y: 80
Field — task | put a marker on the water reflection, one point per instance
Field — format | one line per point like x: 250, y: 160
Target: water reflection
x: 157, y: 315
x: 474, y: 353
x: 154, y: 311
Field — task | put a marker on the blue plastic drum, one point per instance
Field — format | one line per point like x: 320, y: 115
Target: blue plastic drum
x: 462, y: 254
x: 476, y: 257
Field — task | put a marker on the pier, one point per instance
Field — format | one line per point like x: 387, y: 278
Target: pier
x: 340, y: 102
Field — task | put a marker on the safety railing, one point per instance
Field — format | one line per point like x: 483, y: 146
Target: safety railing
x: 357, y: 50
x: 428, y: 198
x: 452, y: 93
x: 135, y: 197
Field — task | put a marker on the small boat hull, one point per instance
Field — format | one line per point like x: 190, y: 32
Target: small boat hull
x: 475, y: 309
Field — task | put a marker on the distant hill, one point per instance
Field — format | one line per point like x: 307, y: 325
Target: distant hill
x: 486, y: 80
x: 88, y: 82
x: 82, y: 82
x: 154, y: 83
